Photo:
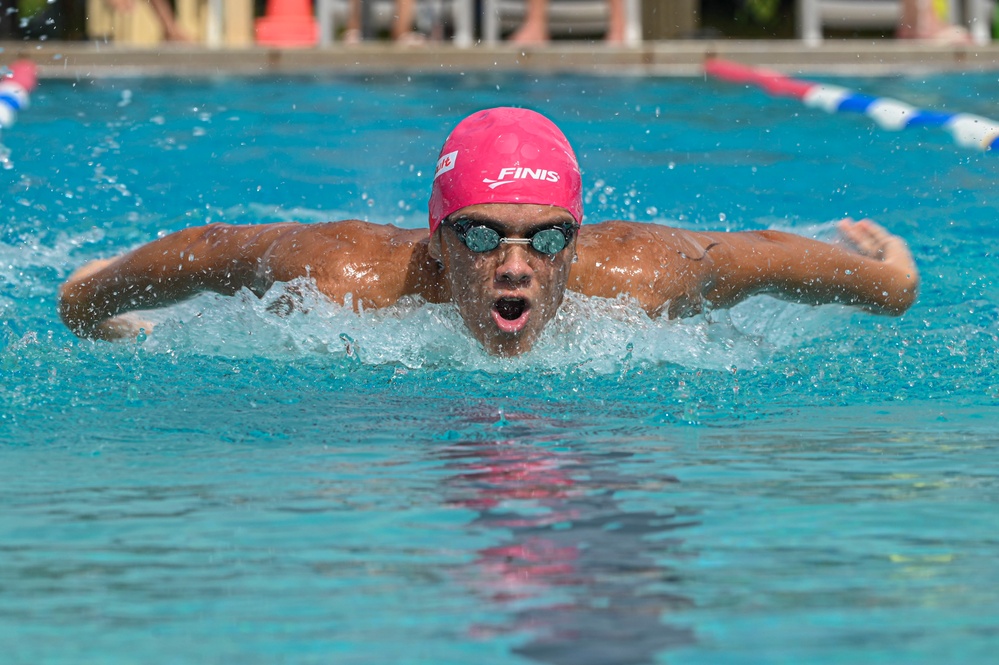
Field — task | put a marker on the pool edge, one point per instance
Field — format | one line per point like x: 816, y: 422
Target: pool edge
x: 666, y: 58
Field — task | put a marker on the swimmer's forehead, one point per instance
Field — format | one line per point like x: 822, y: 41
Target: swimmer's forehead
x: 512, y: 213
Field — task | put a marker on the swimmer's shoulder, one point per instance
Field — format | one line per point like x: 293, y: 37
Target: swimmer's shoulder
x: 378, y: 263
x: 662, y: 267
x: 640, y: 239
x: 354, y: 230
x: 350, y: 239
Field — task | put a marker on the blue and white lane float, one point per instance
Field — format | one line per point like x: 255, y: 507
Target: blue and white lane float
x: 15, y: 88
x: 970, y: 131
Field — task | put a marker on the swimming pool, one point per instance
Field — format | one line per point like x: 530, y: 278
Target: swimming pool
x: 771, y: 484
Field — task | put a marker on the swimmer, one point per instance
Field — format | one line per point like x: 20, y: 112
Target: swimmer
x: 505, y: 242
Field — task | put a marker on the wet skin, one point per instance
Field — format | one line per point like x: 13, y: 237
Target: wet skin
x: 505, y: 296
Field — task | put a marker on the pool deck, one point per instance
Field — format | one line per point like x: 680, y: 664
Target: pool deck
x: 664, y: 58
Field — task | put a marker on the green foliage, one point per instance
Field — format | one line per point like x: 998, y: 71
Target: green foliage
x: 763, y: 11
x: 28, y: 8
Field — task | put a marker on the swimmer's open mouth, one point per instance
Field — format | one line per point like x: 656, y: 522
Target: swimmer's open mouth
x: 511, y: 314
x: 511, y: 309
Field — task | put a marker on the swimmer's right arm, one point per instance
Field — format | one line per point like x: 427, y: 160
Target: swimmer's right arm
x: 95, y: 300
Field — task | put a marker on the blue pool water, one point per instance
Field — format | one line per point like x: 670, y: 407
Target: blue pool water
x: 772, y: 484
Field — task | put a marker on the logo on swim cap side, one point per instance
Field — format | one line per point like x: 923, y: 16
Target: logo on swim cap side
x: 446, y: 163
x: 521, y: 173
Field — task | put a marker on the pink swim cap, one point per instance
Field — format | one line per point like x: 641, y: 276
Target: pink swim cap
x: 505, y: 155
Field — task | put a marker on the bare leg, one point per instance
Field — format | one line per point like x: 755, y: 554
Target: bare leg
x: 171, y: 31
x: 930, y: 19
x: 615, y: 22
x: 403, y: 23
x: 352, y: 32
x: 534, y: 29
x: 402, y: 26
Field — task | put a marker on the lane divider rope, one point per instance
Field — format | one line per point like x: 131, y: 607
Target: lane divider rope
x: 15, y: 88
x: 967, y: 130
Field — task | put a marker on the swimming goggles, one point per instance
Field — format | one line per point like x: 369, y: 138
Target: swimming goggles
x: 480, y: 238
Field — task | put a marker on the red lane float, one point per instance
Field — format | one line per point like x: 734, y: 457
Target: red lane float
x: 970, y: 131
x: 14, y: 90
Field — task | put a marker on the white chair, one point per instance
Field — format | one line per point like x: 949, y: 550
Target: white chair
x: 459, y: 13
x: 572, y: 18
x: 979, y: 19
x: 814, y: 15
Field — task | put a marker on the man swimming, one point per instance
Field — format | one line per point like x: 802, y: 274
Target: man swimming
x: 505, y: 242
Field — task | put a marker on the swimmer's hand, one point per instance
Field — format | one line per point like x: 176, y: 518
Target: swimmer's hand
x: 83, y: 320
x: 122, y: 327
x: 873, y: 241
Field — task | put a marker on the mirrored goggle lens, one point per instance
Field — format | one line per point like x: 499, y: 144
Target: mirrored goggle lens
x: 549, y: 241
x: 484, y: 239
x: 481, y: 239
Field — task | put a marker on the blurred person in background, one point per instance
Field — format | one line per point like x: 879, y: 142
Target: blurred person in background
x: 534, y: 29
x: 931, y: 20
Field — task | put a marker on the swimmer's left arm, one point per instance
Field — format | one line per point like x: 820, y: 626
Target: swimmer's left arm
x: 878, y: 274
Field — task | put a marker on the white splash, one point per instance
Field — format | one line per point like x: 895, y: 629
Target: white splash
x: 294, y: 320
x: 593, y: 334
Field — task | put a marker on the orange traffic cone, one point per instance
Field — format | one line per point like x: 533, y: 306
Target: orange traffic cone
x: 288, y: 23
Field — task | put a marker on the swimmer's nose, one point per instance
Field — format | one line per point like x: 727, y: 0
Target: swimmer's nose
x: 514, y: 269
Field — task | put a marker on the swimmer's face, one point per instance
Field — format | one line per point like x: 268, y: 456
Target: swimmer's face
x: 507, y: 295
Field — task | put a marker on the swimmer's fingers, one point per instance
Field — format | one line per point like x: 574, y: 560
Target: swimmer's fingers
x: 871, y: 239
x: 122, y: 327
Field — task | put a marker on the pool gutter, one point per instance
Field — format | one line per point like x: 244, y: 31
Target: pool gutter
x: 666, y: 58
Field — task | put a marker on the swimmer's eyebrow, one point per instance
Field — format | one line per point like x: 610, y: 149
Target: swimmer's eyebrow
x: 501, y: 228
